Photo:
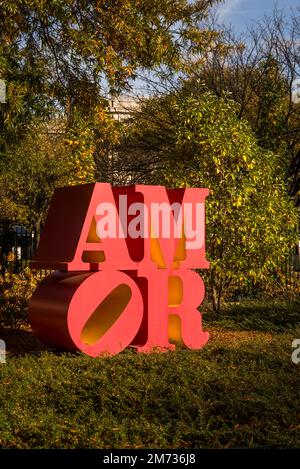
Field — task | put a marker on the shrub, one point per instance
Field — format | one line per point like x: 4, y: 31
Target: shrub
x: 15, y: 292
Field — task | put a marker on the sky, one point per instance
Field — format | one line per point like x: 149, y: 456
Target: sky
x: 243, y: 13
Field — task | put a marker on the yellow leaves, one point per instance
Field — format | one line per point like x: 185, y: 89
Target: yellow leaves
x: 235, y: 134
x: 102, y: 115
x: 217, y: 160
x: 238, y: 201
x: 10, y: 257
x: 81, y: 161
x: 72, y: 142
x: 271, y: 210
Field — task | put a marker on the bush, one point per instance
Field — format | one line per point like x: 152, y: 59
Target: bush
x: 250, y: 218
x: 15, y: 292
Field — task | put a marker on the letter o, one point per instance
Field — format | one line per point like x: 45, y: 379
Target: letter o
x: 95, y: 313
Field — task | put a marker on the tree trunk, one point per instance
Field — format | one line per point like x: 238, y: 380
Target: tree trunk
x: 217, y: 291
x: 214, y: 297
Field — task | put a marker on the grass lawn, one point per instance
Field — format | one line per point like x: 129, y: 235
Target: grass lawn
x: 241, y: 390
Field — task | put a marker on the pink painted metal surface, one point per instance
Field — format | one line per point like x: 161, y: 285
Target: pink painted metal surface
x: 125, y: 281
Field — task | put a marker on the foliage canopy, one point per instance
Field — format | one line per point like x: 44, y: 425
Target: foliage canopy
x: 199, y: 141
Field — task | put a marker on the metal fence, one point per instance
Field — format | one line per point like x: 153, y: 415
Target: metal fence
x: 17, y: 247
x: 285, y: 278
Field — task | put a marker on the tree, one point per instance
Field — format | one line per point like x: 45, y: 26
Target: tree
x: 198, y: 140
x: 259, y: 70
x: 30, y: 173
x: 61, y: 58
x: 64, y: 51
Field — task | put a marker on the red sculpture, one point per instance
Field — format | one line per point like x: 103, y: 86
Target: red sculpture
x: 123, y: 258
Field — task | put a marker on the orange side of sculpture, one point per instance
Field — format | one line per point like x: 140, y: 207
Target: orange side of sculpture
x: 123, y: 258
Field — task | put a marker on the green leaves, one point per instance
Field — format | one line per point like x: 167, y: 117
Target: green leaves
x: 60, y: 58
x: 29, y: 174
x: 100, y: 39
x: 251, y: 221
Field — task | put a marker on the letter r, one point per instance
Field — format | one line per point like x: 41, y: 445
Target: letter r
x: 165, y: 319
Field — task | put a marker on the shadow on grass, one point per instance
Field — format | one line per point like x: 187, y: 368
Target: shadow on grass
x: 257, y: 315
x: 21, y: 341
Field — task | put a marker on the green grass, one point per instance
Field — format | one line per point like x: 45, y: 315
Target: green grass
x: 258, y: 315
x: 241, y: 390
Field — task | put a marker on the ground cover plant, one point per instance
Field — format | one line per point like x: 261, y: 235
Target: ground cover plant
x: 241, y: 390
